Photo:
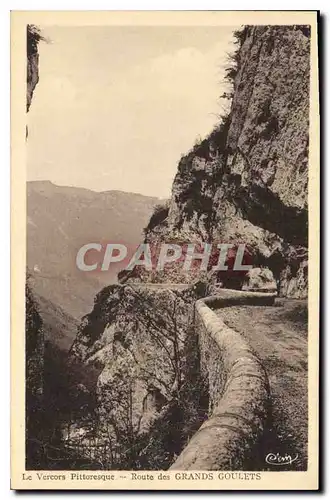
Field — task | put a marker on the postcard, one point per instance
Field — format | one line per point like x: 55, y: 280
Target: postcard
x: 165, y: 250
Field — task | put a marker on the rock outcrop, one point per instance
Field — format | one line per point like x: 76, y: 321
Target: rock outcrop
x: 34, y: 380
x: 136, y: 337
x: 33, y: 37
x: 34, y: 334
x: 260, y: 279
x: 247, y: 182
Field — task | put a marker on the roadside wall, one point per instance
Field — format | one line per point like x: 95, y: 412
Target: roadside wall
x: 238, y: 389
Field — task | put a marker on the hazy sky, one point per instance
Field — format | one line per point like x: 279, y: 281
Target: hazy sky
x: 116, y: 107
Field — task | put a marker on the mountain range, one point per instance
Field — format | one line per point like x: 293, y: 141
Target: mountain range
x: 60, y: 220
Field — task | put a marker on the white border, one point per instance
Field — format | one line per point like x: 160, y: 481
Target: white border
x: 5, y: 141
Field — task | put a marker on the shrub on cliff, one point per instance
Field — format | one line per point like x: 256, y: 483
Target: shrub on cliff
x: 160, y: 213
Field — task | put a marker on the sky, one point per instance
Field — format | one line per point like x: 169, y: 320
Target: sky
x: 116, y: 107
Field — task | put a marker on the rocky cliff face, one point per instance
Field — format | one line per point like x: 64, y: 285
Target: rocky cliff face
x: 34, y: 334
x: 245, y: 183
x: 34, y: 345
x: 248, y: 181
x: 137, y: 338
x: 33, y: 37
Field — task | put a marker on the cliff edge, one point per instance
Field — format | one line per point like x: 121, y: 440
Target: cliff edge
x: 247, y: 182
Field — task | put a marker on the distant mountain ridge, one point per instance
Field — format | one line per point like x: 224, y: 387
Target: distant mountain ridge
x: 60, y: 219
x: 51, y: 187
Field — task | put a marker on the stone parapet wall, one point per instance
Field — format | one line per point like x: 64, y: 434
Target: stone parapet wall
x: 238, y: 389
